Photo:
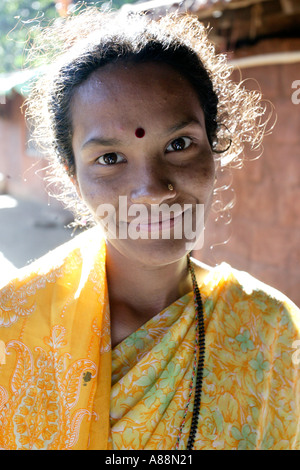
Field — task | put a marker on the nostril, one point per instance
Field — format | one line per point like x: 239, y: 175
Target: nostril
x: 155, y: 193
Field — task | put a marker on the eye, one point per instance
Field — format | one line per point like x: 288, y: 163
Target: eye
x: 179, y: 144
x: 110, y: 159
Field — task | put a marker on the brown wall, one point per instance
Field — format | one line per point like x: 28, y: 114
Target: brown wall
x: 22, y: 168
x: 265, y: 230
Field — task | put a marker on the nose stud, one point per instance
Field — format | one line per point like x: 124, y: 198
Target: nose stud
x: 170, y: 187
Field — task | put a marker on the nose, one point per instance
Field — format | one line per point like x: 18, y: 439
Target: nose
x: 152, y: 186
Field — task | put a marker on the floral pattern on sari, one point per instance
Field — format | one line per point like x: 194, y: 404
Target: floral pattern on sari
x: 61, y: 386
x: 251, y: 395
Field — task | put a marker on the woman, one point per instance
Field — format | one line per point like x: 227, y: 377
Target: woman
x: 109, y: 342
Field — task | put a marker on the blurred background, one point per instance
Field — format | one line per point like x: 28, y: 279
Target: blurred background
x: 262, y: 41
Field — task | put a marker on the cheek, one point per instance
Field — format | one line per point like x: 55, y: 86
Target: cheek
x: 92, y: 191
x: 100, y: 201
x: 202, y: 174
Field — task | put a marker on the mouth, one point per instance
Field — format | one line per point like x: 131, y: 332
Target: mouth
x: 157, y: 224
x: 176, y: 223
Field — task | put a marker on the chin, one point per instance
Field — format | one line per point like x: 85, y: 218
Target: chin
x: 151, y: 252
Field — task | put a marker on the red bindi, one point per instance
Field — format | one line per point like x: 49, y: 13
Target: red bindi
x: 139, y: 132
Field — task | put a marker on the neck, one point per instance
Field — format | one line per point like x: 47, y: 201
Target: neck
x: 145, y: 290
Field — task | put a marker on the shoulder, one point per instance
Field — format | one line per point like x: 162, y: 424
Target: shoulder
x: 243, y: 284
x: 56, y: 258
x: 56, y: 273
x: 274, y: 306
x: 239, y: 291
x: 249, y: 287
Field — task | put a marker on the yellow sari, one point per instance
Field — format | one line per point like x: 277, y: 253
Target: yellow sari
x: 61, y: 386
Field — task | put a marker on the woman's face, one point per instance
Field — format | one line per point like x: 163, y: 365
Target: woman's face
x: 136, y: 130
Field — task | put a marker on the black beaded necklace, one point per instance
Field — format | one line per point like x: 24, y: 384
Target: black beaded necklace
x: 199, y: 353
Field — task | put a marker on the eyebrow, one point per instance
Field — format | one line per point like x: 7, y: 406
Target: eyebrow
x: 110, y: 142
x: 183, y: 124
x: 100, y: 141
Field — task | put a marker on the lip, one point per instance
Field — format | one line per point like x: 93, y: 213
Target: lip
x: 160, y: 225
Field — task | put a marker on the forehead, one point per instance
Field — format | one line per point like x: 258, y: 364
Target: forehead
x: 133, y: 93
x: 133, y: 81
